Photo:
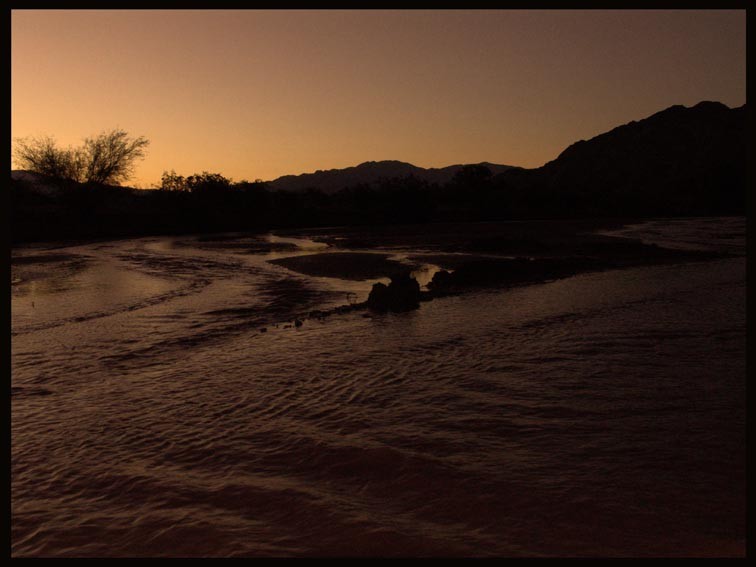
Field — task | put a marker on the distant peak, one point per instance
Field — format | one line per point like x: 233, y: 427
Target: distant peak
x: 707, y: 105
x: 678, y: 110
x: 710, y: 105
x: 674, y: 108
x: 385, y: 162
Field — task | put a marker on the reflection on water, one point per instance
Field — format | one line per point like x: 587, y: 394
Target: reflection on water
x: 423, y: 273
x: 300, y: 243
x: 711, y: 234
x: 602, y: 414
x: 297, y: 246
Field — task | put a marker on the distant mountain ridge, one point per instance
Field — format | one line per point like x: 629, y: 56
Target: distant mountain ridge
x: 681, y: 161
x: 678, y: 127
x: 332, y: 180
x: 686, y: 160
x: 677, y: 154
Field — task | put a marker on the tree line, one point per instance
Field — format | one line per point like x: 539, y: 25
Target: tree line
x: 91, y: 204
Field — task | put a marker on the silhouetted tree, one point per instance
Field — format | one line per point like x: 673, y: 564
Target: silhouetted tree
x: 41, y: 155
x: 173, y: 182
x: 207, y: 183
x: 106, y: 158
x: 110, y: 156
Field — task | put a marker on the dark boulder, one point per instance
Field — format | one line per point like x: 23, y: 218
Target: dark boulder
x: 442, y: 281
x: 402, y: 294
x: 378, y: 299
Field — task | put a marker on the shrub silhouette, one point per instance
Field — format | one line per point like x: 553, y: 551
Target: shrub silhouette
x: 107, y: 158
x: 41, y: 155
x: 208, y: 183
x: 110, y: 157
x: 171, y: 181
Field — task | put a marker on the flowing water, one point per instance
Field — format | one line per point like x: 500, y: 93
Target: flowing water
x: 601, y: 414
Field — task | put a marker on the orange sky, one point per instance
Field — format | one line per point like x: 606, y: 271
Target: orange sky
x: 259, y: 94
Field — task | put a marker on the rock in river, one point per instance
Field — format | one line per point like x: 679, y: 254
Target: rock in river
x: 402, y: 294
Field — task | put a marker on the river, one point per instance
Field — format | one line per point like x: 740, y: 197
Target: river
x: 600, y: 414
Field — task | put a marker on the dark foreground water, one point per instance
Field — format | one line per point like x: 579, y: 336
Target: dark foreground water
x: 603, y: 414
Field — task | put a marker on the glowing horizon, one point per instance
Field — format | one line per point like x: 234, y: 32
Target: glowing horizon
x: 263, y: 93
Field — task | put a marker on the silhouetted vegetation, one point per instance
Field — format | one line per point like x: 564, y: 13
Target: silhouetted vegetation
x: 681, y: 161
x: 41, y: 155
x: 107, y: 158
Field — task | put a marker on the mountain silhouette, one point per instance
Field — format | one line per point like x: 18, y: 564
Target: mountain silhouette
x: 370, y: 172
x: 678, y: 161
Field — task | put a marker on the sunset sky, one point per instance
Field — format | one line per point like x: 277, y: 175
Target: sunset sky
x: 259, y: 94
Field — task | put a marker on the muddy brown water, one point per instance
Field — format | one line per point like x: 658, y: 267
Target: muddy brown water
x: 601, y: 414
